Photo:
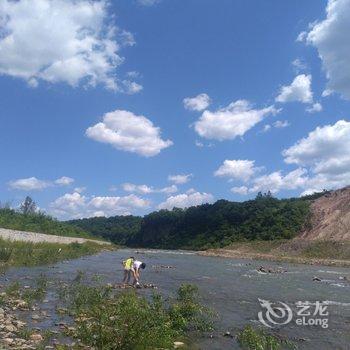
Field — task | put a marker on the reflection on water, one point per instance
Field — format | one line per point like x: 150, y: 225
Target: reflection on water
x: 230, y: 287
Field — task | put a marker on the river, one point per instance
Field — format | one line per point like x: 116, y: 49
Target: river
x: 231, y: 287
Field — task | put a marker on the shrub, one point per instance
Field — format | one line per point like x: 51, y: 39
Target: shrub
x: 252, y: 339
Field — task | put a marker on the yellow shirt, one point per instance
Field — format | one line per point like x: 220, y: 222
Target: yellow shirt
x: 128, y: 263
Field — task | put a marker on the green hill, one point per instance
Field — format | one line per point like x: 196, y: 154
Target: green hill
x: 205, y: 226
x: 118, y: 229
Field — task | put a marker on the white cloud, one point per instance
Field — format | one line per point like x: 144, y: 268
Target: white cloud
x: 237, y: 169
x: 67, y: 41
x: 80, y: 189
x: 131, y: 87
x: 327, y: 143
x: 232, y: 121
x: 323, y: 160
x: 316, y: 107
x: 180, y: 179
x: 133, y: 74
x: 299, y: 65
x: 64, y: 181
x: 275, y: 181
x: 330, y: 38
x: 144, y: 189
x: 281, y: 124
x: 242, y: 190
x: 75, y: 205
x: 70, y: 205
x: 148, y: 2
x: 326, y: 150
x: 299, y: 90
x: 129, y: 132
x: 327, y: 92
x: 198, y: 103
x: 29, y: 184
x: 278, y: 124
x: 266, y: 128
x: 186, y: 200
x: 34, y: 184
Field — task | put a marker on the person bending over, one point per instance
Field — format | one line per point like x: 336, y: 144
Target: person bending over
x: 137, y: 266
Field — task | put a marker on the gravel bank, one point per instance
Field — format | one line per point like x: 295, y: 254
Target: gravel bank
x: 34, y: 237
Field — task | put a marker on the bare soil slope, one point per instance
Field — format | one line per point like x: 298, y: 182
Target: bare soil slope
x: 330, y: 217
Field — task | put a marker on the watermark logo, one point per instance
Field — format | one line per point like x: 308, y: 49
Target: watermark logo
x: 306, y: 314
x: 274, y: 314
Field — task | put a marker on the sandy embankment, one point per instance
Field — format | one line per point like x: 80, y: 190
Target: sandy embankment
x: 226, y: 253
x: 34, y: 237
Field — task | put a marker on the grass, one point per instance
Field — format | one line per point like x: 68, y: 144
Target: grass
x: 31, y: 254
x: 38, y: 222
x: 296, y: 250
x: 126, y: 321
x: 256, y: 339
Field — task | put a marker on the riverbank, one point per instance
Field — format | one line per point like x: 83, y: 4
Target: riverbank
x: 291, y: 251
x: 35, y: 237
x: 17, y: 253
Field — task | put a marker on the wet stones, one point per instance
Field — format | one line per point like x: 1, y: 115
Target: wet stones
x: 263, y: 269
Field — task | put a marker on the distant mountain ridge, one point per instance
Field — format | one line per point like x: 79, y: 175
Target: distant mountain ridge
x: 321, y: 216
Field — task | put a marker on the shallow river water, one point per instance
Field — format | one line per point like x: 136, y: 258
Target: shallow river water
x: 231, y: 287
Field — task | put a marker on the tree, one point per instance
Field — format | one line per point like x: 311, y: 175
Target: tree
x: 28, y: 206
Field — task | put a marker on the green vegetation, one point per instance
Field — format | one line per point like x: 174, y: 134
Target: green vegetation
x: 118, y: 229
x: 107, y: 320
x: 252, y: 339
x: 205, y: 226
x: 30, y: 254
x: 296, y: 250
x: 326, y: 250
x: 220, y: 224
x: 38, y: 222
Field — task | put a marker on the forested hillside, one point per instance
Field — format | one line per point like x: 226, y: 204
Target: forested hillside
x: 205, y: 226
x: 219, y: 224
x: 118, y: 229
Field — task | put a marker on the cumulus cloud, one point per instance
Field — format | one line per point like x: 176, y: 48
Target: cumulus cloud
x: 144, y: 189
x: 34, y: 184
x: 322, y: 157
x: 148, y: 2
x: 75, y: 205
x: 185, y: 200
x: 299, y: 65
x: 278, y: 124
x: 241, y: 169
x: 232, y: 121
x: 64, y: 181
x: 330, y: 38
x: 29, y: 184
x: 69, y: 41
x: 131, y: 87
x: 129, y: 132
x: 316, y: 107
x: 326, y: 150
x: 324, y: 144
x: 198, y: 103
x: 242, y: 190
x: 299, y: 90
x: 180, y: 179
x: 275, y: 181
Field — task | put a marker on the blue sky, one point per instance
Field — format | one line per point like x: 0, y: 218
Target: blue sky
x: 129, y: 106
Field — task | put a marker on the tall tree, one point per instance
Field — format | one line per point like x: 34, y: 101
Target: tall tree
x: 28, y: 206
